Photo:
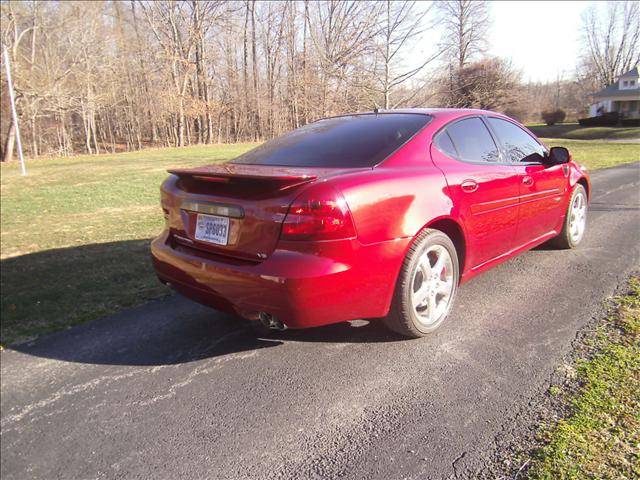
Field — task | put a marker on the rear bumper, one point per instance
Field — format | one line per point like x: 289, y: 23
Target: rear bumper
x: 302, y: 285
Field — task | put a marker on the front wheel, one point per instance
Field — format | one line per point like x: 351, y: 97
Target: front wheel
x: 426, y: 287
x: 575, y: 221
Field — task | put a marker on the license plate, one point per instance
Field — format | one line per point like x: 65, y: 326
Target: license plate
x: 212, y: 229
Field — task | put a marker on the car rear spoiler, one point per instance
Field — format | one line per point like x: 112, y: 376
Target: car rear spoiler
x: 279, y: 178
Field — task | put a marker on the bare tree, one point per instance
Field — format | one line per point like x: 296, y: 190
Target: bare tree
x: 402, y: 24
x: 95, y: 76
x: 13, y: 35
x: 178, y: 28
x: 490, y: 84
x: 342, y: 32
x: 466, y: 24
x: 611, y: 38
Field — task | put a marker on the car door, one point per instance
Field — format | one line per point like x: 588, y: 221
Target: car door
x: 484, y: 189
x: 542, y: 187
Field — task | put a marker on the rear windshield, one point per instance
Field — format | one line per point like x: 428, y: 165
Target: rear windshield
x: 350, y: 141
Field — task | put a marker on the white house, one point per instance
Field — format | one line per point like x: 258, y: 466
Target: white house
x: 622, y: 97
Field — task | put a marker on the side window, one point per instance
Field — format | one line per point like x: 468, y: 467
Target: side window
x: 445, y: 145
x: 473, y: 141
x: 518, y: 144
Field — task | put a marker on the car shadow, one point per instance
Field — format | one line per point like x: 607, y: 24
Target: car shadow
x: 148, y: 336
x: 60, y: 288
x: 357, y: 331
x: 174, y: 330
x: 63, y: 287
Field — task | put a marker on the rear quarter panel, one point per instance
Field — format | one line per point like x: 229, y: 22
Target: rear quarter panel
x: 397, y: 198
x: 391, y: 203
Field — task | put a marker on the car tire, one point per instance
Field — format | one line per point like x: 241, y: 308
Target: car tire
x: 575, y: 220
x: 411, y: 315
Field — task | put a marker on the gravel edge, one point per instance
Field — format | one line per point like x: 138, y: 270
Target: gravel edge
x: 521, y: 435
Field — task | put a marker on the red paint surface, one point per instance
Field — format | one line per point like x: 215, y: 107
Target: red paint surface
x: 499, y: 209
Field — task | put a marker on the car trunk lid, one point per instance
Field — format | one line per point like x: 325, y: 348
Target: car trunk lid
x: 236, y: 210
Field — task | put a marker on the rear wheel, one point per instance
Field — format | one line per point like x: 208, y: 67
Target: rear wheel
x: 575, y: 221
x: 426, y: 287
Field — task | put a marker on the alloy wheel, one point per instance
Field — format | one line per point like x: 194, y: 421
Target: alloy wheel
x: 578, y: 219
x: 433, y: 285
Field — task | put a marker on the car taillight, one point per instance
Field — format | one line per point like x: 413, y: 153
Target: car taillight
x: 318, y: 214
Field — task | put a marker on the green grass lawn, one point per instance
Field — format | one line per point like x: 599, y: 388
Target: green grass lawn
x: 600, y: 437
x: 574, y: 131
x: 75, y: 235
x: 75, y: 232
x: 596, y: 154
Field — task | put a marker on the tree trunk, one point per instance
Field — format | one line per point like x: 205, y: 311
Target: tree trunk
x: 34, y: 136
x: 92, y: 125
x: 180, y: 125
x: 9, y: 143
x: 87, y: 131
x: 145, y: 79
x: 305, y: 102
x: 256, y: 106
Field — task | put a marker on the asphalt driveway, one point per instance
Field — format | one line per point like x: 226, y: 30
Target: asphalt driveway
x: 175, y: 390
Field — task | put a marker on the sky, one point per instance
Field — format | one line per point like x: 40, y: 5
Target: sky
x: 540, y: 37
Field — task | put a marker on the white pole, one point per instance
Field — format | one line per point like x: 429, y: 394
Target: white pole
x: 14, y: 113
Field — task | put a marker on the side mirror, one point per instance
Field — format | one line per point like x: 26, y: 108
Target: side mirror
x: 558, y: 156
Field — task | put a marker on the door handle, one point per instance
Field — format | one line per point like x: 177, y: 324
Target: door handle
x: 527, y: 180
x: 469, y: 186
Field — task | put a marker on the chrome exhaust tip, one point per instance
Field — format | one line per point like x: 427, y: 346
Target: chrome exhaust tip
x: 271, y: 322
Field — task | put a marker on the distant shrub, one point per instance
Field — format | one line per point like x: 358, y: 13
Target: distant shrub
x: 554, y: 116
x: 609, y: 119
x: 631, y: 122
x: 518, y: 114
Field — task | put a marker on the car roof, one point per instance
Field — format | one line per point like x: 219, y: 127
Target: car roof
x: 442, y: 113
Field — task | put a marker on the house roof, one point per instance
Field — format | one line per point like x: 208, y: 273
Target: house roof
x: 631, y: 73
x: 614, y: 88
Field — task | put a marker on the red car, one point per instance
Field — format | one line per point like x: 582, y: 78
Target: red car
x: 370, y: 215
